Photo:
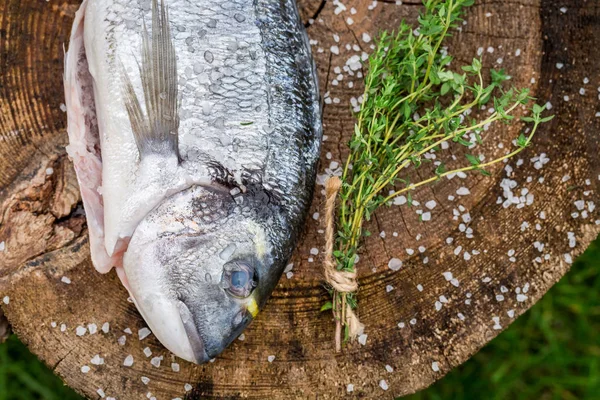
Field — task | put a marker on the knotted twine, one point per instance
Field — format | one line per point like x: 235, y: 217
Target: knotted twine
x: 342, y: 282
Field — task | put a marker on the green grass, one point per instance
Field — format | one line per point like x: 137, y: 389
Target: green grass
x: 551, y: 352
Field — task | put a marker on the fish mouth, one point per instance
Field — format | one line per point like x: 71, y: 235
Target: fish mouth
x: 196, y: 342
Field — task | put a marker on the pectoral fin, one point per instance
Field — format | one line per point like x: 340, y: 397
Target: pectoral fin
x: 156, y: 129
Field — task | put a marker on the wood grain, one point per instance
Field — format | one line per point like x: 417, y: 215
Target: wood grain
x: 497, y: 274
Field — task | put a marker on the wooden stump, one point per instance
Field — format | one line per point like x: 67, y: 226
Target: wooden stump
x: 473, y: 268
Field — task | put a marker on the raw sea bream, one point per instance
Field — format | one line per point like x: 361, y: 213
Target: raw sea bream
x: 195, y: 130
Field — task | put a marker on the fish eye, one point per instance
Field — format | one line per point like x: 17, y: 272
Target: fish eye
x: 238, y: 279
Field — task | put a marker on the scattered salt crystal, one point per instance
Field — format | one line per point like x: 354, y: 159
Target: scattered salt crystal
x: 97, y: 360
x: 63, y: 107
x: 144, y: 333
x: 92, y: 328
x: 461, y: 316
x: 271, y: 358
x: 145, y: 380
x: 242, y: 337
x: 335, y: 50
x: 80, y: 331
x: 362, y: 339
x: 426, y: 216
x: 389, y: 288
x: 438, y: 306
x: 66, y: 280
x: 499, y: 297
x: 175, y: 367
x: 521, y: 298
x: 314, y: 251
x: 105, y: 327
x: 401, y: 325
x: 511, y: 313
x: 350, y: 388
x: 563, y: 10
x: 497, y: 325
x: 85, y: 369
x: 383, y: 384
x: 147, y: 352
x: 128, y: 331
x: 187, y: 387
x: 454, y: 282
x: 395, y: 264
x: 435, y: 366
x: 559, y: 65
x: 420, y: 287
x: 463, y: 191
x: 128, y: 361
x: 2, y: 246
x: 413, y: 321
x: 389, y: 368
x: 122, y: 340
x: 49, y: 171
x: 568, y: 258
x: 101, y: 393
x: 431, y: 204
x: 6, y: 300
x: 63, y: 327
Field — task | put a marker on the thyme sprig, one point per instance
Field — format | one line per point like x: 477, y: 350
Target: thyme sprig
x: 414, y: 102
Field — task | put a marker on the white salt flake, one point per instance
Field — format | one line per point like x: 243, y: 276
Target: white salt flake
x: 395, y: 264
x: 362, y: 339
x: 97, y: 360
x: 147, y: 352
x: 145, y: 380
x: 156, y: 361
x: 121, y: 340
x: 389, y: 368
x: 144, y: 333
x: 350, y: 388
x: 463, y: 191
x: 435, y: 366
x: 128, y: 361
x: 85, y: 369
x: 105, y: 327
x: 92, y: 328
x: 80, y: 331
x: 271, y: 358
x: 187, y: 387
x: 66, y: 280
x: 521, y: 298
x: 6, y: 300
x: 383, y: 384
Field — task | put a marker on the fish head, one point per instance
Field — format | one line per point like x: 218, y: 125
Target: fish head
x: 199, y: 267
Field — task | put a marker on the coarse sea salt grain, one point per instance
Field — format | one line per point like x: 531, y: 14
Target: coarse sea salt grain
x: 85, y: 369
x: 395, y: 264
x: 187, y: 387
x: 121, y: 340
x: 6, y: 300
x: 105, y: 327
x: 66, y: 280
x: 97, y: 360
x: 147, y: 352
x: 383, y: 384
x: 350, y: 388
x: 271, y: 358
x: 80, y: 331
x: 144, y: 333
x: 101, y: 393
x: 145, y: 380
x: 175, y: 367
x: 156, y: 361
x: 435, y: 366
x: 128, y: 362
x: 92, y: 328
x: 2, y: 246
x: 362, y: 339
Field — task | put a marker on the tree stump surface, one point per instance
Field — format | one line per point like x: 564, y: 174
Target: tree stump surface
x: 421, y: 321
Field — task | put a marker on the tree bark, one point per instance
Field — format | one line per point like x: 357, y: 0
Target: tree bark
x: 420, y: 320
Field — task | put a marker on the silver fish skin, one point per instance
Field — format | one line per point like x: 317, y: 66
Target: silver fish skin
x: 195, y: 130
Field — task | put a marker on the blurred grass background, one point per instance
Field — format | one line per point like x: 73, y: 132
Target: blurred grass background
x: 551, y: 352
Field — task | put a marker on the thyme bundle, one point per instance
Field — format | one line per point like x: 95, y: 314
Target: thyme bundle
x: 413, y: 103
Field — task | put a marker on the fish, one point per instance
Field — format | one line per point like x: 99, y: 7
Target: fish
x: 195, y: 131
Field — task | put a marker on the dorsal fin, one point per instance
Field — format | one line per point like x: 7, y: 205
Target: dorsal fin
x: 156, y: 130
